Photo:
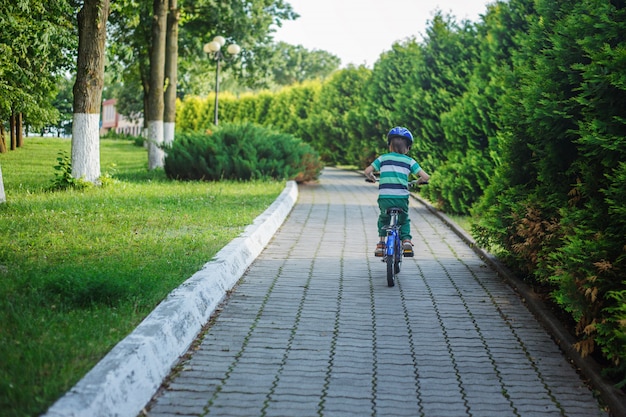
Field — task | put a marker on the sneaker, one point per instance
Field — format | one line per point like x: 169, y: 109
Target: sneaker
x: 407, y: 248
x: 380, y: 249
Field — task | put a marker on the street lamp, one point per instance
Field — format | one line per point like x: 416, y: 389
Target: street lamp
x: 214, y: 48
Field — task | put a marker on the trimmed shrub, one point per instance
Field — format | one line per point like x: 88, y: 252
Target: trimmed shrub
x: 241, y: 152
x: 460, y: 181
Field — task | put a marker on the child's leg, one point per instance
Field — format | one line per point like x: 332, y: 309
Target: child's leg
x: 405, y: 222
x: 405, y: 236
x: 383, y: 221
x: 405, y: 228
x: 383, y: 217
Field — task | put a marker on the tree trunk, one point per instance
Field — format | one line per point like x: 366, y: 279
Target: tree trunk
x: 92, y: 19
x: 19, y: 137
x: 3, y: 143
x: 12, y: 131
x: 171, y: 74
x: 3, y: 196
x: 157, y: 78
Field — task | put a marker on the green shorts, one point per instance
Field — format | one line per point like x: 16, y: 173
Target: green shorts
x: 403, y: 218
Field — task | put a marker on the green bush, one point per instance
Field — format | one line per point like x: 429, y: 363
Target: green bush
x: 242, y: 152
x: 460, y: 182
x: 555, y: 204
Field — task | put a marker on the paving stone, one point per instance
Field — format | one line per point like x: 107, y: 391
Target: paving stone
x: 313, y: 329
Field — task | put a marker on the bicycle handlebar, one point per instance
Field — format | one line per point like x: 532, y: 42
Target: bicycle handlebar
x: 414, y: 182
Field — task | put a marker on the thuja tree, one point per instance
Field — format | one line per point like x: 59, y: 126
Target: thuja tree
x: 336, y: 124
x: 415, y: 84
x: 390, y: 76
x: 556, y: 196
x: 470, y: 127
x: 590, y: 265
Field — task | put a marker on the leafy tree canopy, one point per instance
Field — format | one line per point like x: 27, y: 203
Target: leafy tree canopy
x: 37, y: 41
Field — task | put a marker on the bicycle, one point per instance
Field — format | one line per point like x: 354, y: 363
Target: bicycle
x: 394, y: 253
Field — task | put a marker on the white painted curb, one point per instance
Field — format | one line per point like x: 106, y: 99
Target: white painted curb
x: 123, y: 382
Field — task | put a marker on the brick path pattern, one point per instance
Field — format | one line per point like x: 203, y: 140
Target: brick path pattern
x: 313, y: 330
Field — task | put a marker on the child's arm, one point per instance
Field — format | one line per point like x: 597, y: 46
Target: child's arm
x: 423, y: 176
x: 369, y: 173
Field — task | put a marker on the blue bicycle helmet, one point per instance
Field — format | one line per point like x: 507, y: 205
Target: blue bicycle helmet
x: 401, y: 132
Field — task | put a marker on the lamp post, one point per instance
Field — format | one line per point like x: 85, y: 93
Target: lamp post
x: 214, y: 48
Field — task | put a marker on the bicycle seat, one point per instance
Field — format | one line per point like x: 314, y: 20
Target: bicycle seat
x: 392, y: 210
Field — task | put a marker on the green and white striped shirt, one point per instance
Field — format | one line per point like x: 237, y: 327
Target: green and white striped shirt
x: 395, y: 169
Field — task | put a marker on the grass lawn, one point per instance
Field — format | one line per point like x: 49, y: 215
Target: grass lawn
x: 79, y: 270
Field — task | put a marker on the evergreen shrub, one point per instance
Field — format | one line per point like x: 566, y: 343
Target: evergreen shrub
x: 241, y: 152
x: 460, y: 182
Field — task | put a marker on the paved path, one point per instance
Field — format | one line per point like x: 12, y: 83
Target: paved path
x: 313, y: 330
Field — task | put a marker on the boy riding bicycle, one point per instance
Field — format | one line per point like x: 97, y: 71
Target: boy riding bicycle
x: 393, y: 189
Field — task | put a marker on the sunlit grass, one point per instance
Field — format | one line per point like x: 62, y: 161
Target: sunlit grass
x: 80, y: 269
x: 464, y: 222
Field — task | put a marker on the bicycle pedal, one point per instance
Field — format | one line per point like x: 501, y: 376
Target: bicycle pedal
x: 408, y: 253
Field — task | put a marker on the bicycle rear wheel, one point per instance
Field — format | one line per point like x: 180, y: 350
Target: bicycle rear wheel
x: 390, y: 271
x: 397, y: 257
x: 396, y: 263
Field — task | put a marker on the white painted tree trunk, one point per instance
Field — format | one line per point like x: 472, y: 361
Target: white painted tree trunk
x: 3, y: 197
x: 154, y: 113
x: 92, y: 21
x: 86, y: 146
x: 168, y: 133
x: 156, y: 156
x: 171, y: 73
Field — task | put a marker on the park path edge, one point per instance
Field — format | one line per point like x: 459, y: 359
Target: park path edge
x: 125, y: 380
x: 613, y: 398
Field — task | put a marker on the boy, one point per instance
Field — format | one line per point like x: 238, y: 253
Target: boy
x: 395, y: 168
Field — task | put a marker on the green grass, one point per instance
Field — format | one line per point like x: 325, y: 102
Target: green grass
x: 464, y: 222
x: 79, y: 270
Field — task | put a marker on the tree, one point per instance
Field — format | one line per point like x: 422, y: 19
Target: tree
x: 471, y: 125
x: 448, y: 55
x: 555, y: 204
x: 3, y: 145
x: 171, y: 75
x: 295, y: 64
x: 129, y: 35
x: 335, y: 120
x: 247, y: 22
x: 389, y: 78
x: 588, y: 91
x: 36, y: 41
x: 92, y: 19
x: 154, y: 115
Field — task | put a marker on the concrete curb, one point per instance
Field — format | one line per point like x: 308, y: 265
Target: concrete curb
x: 614, y: 399
x: 123, y: 382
